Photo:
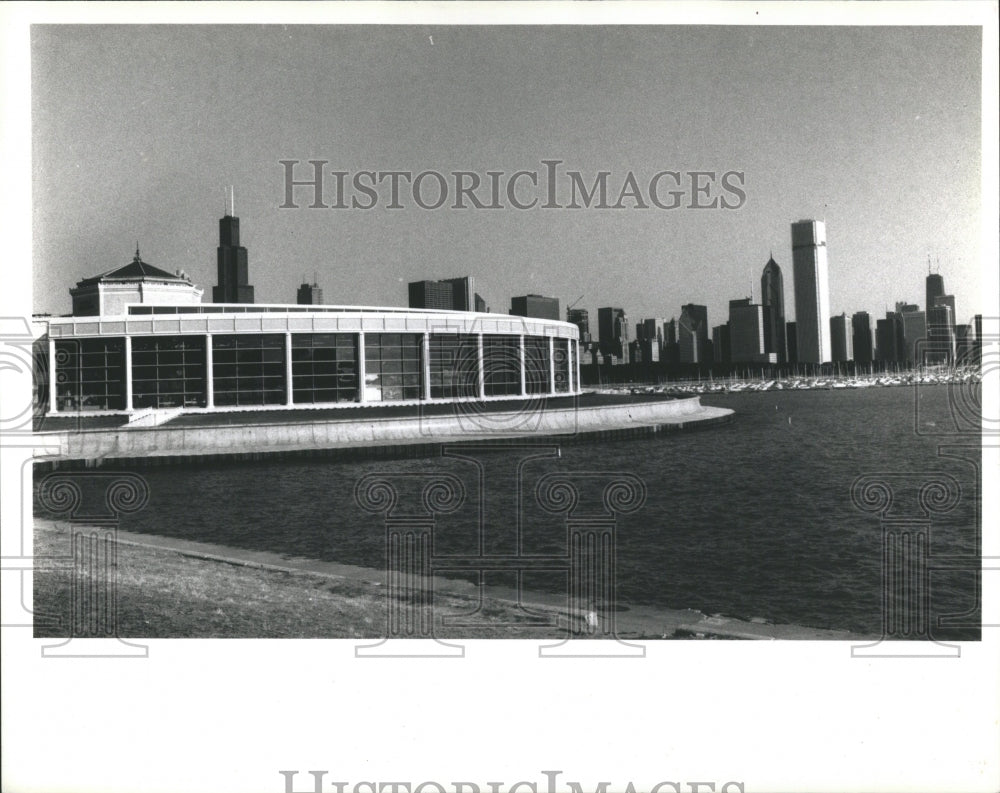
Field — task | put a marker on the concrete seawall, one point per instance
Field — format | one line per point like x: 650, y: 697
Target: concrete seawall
x: 417, y: 434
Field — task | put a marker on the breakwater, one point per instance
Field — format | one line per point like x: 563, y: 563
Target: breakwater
x: 731, y: 385
x: 348, y: 435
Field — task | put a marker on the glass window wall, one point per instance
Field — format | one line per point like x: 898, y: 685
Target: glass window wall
x: 536, y: 364
x: 392, y: 366
x: 168, y: 371
x: 501, y: 365
x: 90, y: 374
x: 562, y: 365
x: 249, y: 369
x: 454, y: 365
x: 324, y: 367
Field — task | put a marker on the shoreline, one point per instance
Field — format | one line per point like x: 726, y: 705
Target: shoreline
x: 513, y: 614
x: 398, y: 432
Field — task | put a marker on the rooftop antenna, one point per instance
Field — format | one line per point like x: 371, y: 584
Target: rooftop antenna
x: 750, y: 273
x: 137, y: 250
x: 232, y: 200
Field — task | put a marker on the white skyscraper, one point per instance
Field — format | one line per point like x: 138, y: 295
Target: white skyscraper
x: 812, y: 291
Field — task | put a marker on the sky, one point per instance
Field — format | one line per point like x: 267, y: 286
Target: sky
x: 138, y: 132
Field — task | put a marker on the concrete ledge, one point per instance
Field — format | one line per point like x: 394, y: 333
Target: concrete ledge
x: 416, y: 434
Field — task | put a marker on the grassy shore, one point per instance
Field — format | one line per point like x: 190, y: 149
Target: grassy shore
x: 168, y: 593
x: 171, y: 588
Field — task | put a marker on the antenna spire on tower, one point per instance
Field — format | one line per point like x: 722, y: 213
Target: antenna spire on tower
x: 232, y: 201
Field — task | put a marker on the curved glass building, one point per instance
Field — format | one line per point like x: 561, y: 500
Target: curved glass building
x: 225, y: 357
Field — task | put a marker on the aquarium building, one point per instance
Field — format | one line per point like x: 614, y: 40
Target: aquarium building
x: 140, y: 339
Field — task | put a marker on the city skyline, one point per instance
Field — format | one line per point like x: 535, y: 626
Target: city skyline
x: 852, y: 159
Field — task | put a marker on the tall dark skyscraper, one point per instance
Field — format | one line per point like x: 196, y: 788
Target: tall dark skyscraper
x: 861, y: 327
x: 232, y: 264
x: 746, y: 331
x: 692, y: 333
x: 941, y: 320
x: 772, y: 296
x: 935, y: 289
x: 581, y: 318
x: 612, y: 325
x: 888, y: 339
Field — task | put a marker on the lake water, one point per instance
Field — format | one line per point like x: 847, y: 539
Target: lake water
x: 752, y: 519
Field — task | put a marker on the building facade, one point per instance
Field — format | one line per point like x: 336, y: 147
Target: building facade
x: 940, y: 334
x: 450, y: 294
x: 612, y: 325
x: 746, y: 332
x: 841, y: 339
x: 205, y: 358
x: 137, y: 282
x: 861, y: 337
x: 535, y: 306
x: 309, y: 295
x: 772, y: 297
x: 581, y: 318
x: 812, y: 292
x: 914, y: 326
x: 934, y: 288
x: 233, y: 270
x: 692, y: 334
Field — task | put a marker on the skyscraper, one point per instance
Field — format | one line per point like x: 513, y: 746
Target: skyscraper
x: 309, y: 295
x: 861, y: 325
x: 430, y: 294
x: 612, y: 325
x: 692, y: 333
x: 649, y: 335
x: 581, y: 318
x: 812, y: 292
x: 841, y: 339
x: 535, y: 306
x: 887, y: 340
x: 940, y: 334
x: 772, y: 296
x: 791, y: 341
x: 935, y: 288
x: 720, y: 344
x: 746, y: 331
x: 451, y: 294
x: 231, y: 258
x: 914, y: 332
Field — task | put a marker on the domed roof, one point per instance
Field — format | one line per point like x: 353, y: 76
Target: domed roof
x: 135, y: 270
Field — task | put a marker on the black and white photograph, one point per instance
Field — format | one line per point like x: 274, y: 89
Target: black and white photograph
x: 500, y: 397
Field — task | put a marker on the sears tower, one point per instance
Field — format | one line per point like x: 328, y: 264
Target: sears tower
x: 232, y: 262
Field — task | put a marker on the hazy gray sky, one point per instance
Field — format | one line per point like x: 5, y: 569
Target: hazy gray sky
x: 139, y: 130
